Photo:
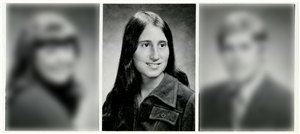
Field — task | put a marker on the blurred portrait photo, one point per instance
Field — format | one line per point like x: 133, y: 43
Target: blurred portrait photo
x: 52, y: 67
x: 247, y: 67
x: 148, y: 67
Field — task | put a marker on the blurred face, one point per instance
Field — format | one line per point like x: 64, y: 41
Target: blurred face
x: 56, y: 63
x: 241, y: 55
x: 152, y: 54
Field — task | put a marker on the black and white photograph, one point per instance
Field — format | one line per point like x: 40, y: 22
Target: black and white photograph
x: 246, y: 67
x: 148, y: 67
x: 52, y: 67
x: 101, y: 66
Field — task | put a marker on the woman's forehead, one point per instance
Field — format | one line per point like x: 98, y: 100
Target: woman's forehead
x: 152, y: 33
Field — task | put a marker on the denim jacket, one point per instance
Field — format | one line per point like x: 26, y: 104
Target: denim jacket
x: 169, y: 107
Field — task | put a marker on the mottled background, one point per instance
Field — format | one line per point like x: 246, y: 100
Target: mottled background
x: 86, y: 19
x: 279, y: 20
x: 181, y: 20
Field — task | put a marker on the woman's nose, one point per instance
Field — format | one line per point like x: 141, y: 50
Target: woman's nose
x: 154, y: 55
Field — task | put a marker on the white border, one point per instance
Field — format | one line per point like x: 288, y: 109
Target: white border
x: 197, y: 70
x: 3, y: 66
x: 100, y: 64
x: 296, y: 69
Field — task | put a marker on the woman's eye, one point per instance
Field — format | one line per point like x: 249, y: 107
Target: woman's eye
x: 146, y: 45
x: 162, y: 45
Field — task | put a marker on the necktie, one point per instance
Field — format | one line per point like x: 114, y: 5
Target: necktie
x: 238, y: 109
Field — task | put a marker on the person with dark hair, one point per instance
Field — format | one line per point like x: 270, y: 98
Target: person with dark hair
x: 150, y: 93
x: 41, y: 92
x: 250, y: 99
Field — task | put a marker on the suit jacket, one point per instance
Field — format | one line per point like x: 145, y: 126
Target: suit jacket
x: 271, y: 108
x: 169, y: 107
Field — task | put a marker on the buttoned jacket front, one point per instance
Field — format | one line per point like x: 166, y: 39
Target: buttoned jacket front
x: 169, y: 107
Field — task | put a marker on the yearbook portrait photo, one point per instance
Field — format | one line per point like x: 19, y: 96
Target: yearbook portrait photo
x: 148, y: 67
x: 246, y: 67
x: 51, y: 67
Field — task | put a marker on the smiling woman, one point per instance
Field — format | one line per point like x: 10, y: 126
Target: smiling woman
x: 46, y: 48
x: 150, y: 93
x: 45, y: 59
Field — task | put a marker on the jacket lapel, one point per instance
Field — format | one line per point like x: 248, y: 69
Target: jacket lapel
x: 226, y: 107
x: 166, y: 91
x: 256, y: 113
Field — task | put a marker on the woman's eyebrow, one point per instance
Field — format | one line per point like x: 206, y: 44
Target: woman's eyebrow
x: 144, y: 41
x: 163, y: 41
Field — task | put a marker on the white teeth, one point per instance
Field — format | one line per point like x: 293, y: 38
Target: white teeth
x: 153, y: 65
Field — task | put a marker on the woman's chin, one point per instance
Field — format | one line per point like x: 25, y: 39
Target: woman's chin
x: 153, y: 75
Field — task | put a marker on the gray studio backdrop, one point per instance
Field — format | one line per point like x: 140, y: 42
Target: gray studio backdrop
x: 86, y: 19
x: 181, y: 20
x: 279, y: 20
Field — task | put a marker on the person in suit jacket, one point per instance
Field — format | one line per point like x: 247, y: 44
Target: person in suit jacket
x: 250, y: 99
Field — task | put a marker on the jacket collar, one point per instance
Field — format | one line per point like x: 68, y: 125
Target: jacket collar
x: 166, y: 91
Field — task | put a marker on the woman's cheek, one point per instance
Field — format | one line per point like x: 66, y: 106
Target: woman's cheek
x: 141, y: 55
x: 54, y: 67
x: 165, y: 54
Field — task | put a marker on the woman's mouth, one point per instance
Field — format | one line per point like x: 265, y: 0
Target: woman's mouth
x: 153, y: 65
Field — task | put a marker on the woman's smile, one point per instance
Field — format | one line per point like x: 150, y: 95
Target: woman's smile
x: 153, y: 65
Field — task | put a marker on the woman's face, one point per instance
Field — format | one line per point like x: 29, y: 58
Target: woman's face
x: 56, y: 63
x: 152, y: 54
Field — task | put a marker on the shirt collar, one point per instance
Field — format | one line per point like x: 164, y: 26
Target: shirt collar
x: 166, y: 91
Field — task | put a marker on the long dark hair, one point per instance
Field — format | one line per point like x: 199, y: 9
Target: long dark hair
x: 120, y: 100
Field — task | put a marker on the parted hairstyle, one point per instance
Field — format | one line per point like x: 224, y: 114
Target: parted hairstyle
x: 44, y: 28
x: 120, y: 100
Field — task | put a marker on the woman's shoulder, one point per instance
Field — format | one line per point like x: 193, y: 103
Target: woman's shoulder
x: 184, y: 93
x: 185, y: 97
x: 39, y: 105
x: 25, y: 91
x: 184, y: 90
x: 34, y: 98
x: 32, y: 105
